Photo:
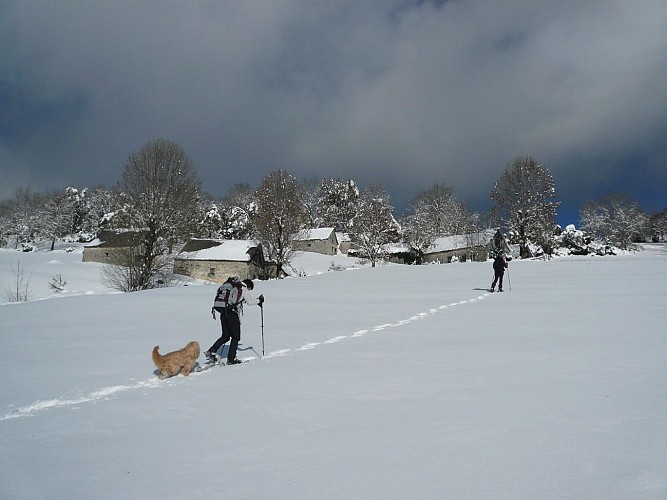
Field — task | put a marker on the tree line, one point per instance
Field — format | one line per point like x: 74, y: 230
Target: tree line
x: 160, y: 196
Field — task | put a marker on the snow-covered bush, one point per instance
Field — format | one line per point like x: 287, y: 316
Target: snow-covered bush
x: 573, y: 241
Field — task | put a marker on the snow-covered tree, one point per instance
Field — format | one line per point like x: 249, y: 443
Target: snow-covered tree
x: 278, y: 216
x: 58, y: 217
x: 616, y: 219
x: 311, y: 197
x: 212, y: 222
x: 6, y: 210
x: 337, y: 203
x: 374, y: 226
x: 658, y: 226
x: 99, y: 203
x: 23, y: 217
x: 439, y: 205
x: 436, y: 212
x: 524, y: 198
x: 234, y: 209
x: 418, y: 234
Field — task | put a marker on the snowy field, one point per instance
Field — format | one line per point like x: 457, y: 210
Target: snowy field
x: 397, y: 382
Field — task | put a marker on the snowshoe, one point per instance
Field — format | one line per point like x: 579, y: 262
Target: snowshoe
x: 211, y: 357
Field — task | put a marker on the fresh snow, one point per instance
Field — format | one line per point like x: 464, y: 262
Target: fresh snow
x: 390, y: 382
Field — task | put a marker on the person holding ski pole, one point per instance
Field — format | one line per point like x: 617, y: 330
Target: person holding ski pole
x: 499, y: 266
x: 228, y: 302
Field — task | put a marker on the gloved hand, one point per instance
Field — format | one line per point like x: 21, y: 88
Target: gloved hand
x: 213, y: 312
x: 261, y: 300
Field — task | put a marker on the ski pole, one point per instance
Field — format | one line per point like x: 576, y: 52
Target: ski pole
x: 261, y: 307
x: 509, y: 281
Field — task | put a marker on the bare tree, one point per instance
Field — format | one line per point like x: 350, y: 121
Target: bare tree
x: 374, y: 226
x: 126, y: 270
x: 18, y: 290
x: 439, y: 205
x: 161, y: 189
x: 279, y: 215
x: 524, y: 200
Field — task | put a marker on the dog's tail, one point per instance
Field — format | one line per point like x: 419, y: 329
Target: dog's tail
x: 156, y: 356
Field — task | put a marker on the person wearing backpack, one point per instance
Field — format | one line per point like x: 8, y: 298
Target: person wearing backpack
x: 499, y: 266
x: 228, y: 302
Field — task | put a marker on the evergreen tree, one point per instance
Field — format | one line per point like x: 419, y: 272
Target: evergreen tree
x: 235, y: 209
x: 337, y: 203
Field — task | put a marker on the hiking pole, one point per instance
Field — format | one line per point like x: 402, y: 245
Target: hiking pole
x: 509, y: 281
x: 261, y: 307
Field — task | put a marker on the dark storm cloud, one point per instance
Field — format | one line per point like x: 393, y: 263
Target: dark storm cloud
x: 404, y: 93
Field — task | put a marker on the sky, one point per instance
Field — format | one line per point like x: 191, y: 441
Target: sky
x: 445, y: 391
x: 404, y: 93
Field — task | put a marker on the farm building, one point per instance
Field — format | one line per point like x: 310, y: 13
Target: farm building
x: 462, y: 248
x: 322, y: 240
x: 216, y: 260
x: 457, y: 248
x: 109, y: 246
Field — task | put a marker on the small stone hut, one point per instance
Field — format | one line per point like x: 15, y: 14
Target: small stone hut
x: 322, y: 240
x: 457, y: 248
x: 461, y: 248
x: 216, y: 260
x: 110, y: 245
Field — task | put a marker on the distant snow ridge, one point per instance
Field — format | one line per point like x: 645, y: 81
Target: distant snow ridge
x: 107, y: 392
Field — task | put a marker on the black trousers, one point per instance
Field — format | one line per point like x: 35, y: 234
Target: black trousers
x: 231, y: 329
x: 498, y: 275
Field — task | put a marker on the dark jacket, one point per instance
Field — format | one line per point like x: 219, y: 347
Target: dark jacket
x: 499, y: 264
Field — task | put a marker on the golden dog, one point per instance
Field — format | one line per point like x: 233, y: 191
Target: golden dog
x: 173, y: 363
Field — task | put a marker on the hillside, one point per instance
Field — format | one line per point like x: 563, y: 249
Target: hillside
x: 392, y: 382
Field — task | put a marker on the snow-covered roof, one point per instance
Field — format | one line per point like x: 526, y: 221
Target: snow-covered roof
x: 321, y: 233
x: 447, y: 243
x: 223, y: 250
x: 116, y: 239
x: 458, y: 241
x: 343, y: 237
x: 93, y: 243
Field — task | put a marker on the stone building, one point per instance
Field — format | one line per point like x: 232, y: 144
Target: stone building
x: 322, y: 240
x: 216, y: 260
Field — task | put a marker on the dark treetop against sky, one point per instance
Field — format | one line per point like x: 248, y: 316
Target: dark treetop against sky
x: 405, y: 93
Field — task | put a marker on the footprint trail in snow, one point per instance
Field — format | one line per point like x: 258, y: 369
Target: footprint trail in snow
x: 109, y: 392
